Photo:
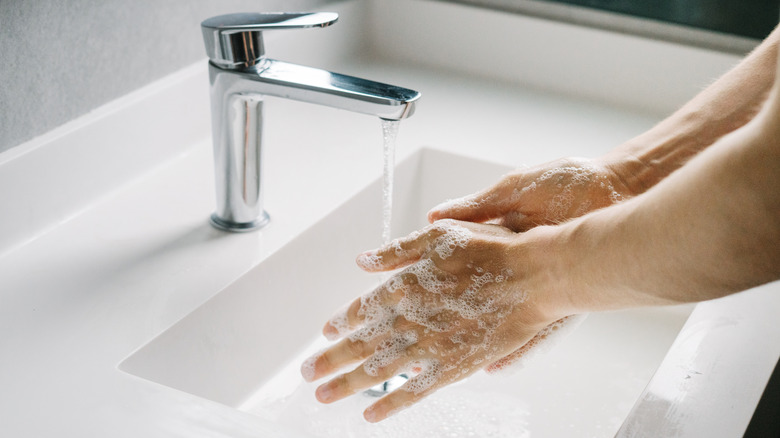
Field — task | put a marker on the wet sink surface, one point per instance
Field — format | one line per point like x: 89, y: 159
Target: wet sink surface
x: 243, y: 347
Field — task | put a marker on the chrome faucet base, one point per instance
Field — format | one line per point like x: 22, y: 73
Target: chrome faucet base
x: 240, y: 227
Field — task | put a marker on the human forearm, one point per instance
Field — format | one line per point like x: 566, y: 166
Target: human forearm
x: 727, y: 104
x: 564, y: 189
x: 709, y: 230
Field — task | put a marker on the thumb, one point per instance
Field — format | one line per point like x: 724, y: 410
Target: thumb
x: 478, y: 207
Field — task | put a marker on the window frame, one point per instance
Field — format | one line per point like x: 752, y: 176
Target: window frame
x: 621, y: 23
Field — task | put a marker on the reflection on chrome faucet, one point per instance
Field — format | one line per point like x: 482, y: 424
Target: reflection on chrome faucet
x: 241, y: 75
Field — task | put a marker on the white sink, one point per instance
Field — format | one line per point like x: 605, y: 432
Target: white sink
x: 243, y: 347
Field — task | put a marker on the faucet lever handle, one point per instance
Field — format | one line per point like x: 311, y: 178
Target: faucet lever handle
x: 236, y: 40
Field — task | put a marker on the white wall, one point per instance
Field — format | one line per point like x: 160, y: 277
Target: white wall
x: 62, y: 59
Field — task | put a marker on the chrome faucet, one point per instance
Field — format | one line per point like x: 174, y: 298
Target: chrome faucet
x: 241, y: 76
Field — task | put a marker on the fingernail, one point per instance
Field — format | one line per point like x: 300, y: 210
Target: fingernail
x: 370, y: 415
x: 330, y: 333
x: 324, y: 393
x: 308, y: 370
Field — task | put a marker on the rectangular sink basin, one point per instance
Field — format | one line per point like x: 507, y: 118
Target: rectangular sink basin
x: 243, y: 347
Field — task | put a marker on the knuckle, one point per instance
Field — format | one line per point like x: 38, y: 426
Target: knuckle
x: 356, y: 347
x: 385, y: 372
x: 401, y: 323
x: 325, y: 361
x: 344, y: 384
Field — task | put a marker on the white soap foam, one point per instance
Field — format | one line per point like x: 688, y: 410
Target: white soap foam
x: 340, y: 322
x: 569, y: 178
x: 430, y: 299
x: 431, y: 278
x: 466, y: 202
x: 370, y: 261
x: 307, y: 368
x: 388, y: 351
x: 454, y: 236
x: 397, y: 249
x: 430, y: 371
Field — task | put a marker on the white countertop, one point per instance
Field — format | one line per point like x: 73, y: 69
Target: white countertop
x: 83, y: 293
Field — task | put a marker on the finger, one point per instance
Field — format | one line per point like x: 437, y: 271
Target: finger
x: 478, y: 207
x: 330, y: 360
x: 375, y: 370
x: 363, y: 343
x: 518, y: 222
x: 397, y: 254
x: 343, y: 322
x: 398, y: 400
x: 391, y: 404
x: 371, y: 306
x: 401, y: 252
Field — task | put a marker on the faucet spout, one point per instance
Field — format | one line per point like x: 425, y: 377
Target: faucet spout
x: 306, y: 84
x: 241, y: 76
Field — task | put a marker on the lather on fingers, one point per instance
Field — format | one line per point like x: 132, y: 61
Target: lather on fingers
x: 451, y: 311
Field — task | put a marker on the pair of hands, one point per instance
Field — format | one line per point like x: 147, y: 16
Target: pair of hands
x: 466, y: 298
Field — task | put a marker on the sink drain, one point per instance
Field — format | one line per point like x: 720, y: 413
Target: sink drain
x: 387, y: 386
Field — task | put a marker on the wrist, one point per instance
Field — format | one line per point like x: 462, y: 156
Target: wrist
x: 541, y: 262
x: 580, y: 266
x: 645, y: 160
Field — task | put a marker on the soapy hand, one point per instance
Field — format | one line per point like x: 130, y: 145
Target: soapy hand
x: 547, y: 194
x: 543, y: 195
x: 462, y: 302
